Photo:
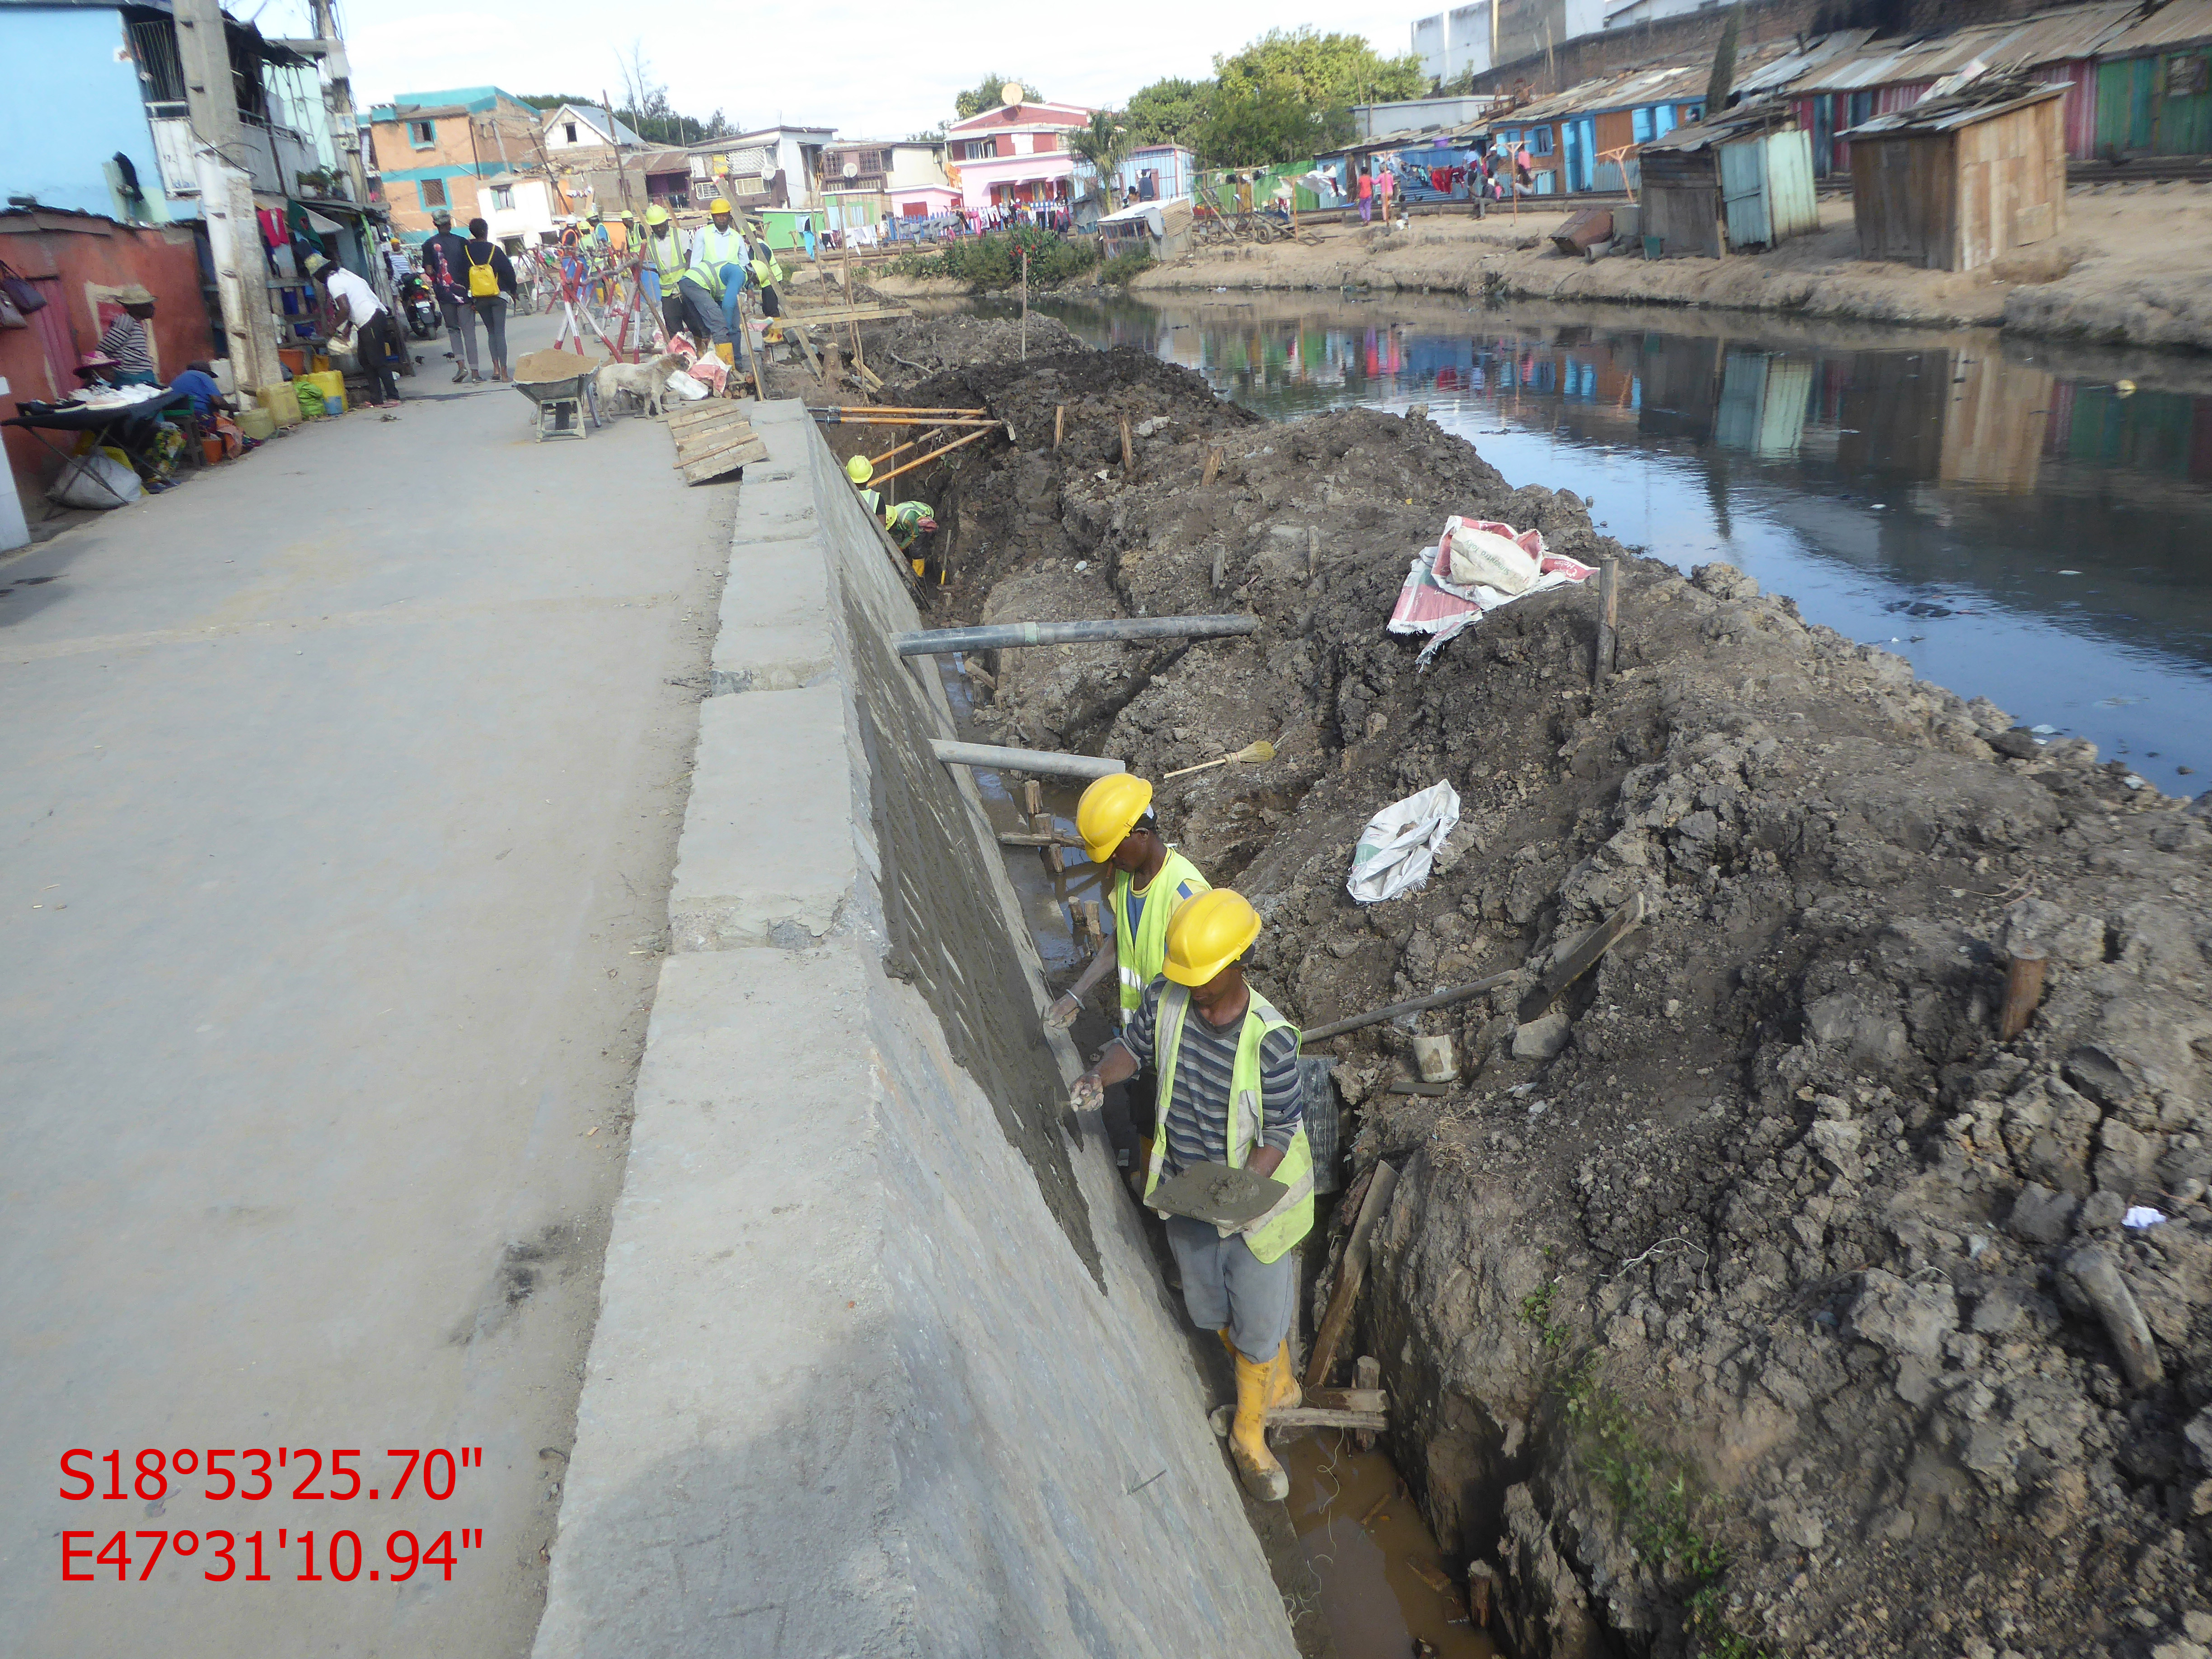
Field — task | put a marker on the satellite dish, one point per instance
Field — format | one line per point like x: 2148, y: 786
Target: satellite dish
x: 852, y: 169
x: 1011, y: 93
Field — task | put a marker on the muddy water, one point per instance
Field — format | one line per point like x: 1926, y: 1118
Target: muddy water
x: 2020, y: 527
x: 1370, y: 1557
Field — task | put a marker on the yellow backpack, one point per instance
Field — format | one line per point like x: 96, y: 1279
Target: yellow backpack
x: 484, y: 281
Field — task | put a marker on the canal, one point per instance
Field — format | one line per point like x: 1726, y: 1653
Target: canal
x: 2034, y: 530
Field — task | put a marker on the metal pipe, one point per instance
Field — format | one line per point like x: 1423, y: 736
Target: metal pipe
x: 937, y: 641
x: 1046, y: 761
x: 1412, y: 1005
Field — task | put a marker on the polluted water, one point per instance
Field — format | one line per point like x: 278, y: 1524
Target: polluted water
x: 1371, y: 1565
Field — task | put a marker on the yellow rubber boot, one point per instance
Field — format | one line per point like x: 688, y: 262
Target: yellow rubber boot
x: 1247, y: 1434
x: 1283, y: 1388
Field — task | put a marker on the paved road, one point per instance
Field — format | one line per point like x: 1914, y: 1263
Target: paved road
x: 338, y: 792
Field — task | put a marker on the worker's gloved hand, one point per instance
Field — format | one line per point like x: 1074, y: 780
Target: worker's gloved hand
x: 1065, y: 1007
x: 1087, y: 1093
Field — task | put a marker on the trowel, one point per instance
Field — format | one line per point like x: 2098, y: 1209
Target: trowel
x: 1218, y: 1194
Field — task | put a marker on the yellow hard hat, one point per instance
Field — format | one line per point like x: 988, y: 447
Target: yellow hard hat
x: 1108, y: 810
x: 719, y: 205
x: 656, y: 214
x: 858, y: 470
x: 1207, y: 934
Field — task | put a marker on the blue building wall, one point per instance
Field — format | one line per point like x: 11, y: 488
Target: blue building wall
x: 68, y: 104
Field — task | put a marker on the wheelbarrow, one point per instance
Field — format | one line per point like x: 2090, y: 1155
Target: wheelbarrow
x: 564, y: 404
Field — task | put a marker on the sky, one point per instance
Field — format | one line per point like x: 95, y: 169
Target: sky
x: 870, y: 70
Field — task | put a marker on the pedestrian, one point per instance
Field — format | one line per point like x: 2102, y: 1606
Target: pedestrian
x: 665, y: 259
x: 491, y: 290
x: 376, y: 343
x: 1386, y: 184
x: 1151, y: 882
x: 441, y: 264
x: 124, y: 339
x: 1366, y: 197
x: 1238, y: 1054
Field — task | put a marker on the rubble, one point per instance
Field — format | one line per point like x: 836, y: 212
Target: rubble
x: 1756, y: 1295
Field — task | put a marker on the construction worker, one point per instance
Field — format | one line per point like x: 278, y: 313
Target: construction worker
x: 715, y: 278
x: 665, y: 259
x: 622, y: 236
x: 907, y: 523
x: 860, y: 470
x: 766, y: 270
x: 1228, y: 1093
x: 1115, y: 819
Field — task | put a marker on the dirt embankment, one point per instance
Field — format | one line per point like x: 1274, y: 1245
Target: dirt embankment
x: 2133, y: 267
x: 1761, y: 1300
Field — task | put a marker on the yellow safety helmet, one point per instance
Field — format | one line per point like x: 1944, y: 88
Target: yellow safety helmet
x: 1109, y: 810
x: 1207, y: 934
x: 656, y: 214
x: 719, y: 205
x: 860, y: 470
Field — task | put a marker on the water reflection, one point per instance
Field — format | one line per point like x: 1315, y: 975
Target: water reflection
x: 2035, y: 536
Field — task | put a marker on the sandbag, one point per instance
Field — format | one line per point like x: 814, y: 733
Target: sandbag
x: 1400, y: 842
x: 1477, y: 556
x: 96, y: 480
x: 681, y: 385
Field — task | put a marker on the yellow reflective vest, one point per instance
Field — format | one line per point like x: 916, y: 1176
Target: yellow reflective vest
x: 669, y: 258
x: 1267, y: 1236
x: 1140, y: 952
x: 712, y: 249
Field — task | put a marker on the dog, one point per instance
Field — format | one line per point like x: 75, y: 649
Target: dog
x: 647, y: 381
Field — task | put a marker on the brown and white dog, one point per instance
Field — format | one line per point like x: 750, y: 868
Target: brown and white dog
x: 647, y: 381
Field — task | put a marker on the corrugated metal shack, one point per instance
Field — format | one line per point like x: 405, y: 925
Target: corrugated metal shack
x: 1743, y: 179
x: 2154, y: 84
x: 1962, y: 179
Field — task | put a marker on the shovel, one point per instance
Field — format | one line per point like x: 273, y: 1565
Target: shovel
x: 1250, y: 754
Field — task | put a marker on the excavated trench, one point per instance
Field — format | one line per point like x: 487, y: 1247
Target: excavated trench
x: 1761, y: 1296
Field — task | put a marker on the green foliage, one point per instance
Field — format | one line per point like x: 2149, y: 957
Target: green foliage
x: 1320, y: 71
x: 1123, y: 267
x: 1169, y: 112
x: 984, y: 94
x: 1105, y: 144
x: 994, y: 261
x: 1536, y: 1308
x: 1257, y: 128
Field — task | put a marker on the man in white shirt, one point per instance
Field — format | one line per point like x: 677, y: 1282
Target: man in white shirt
x: 354, y: 305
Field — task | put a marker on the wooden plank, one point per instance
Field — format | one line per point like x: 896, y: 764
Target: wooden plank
x: 722, y: 414
x: 706, y: 449
x: 1315, y: 1417
x: 1580, y: 960
x: 807, y: 347
x: 1349, y: 1400
x: 733, y: 419
x: 727, y: 461
x: 1367, y: 1376
x: 1351, y: 1274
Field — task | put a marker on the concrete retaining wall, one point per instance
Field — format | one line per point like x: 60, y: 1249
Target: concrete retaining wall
x: 881, y: 1365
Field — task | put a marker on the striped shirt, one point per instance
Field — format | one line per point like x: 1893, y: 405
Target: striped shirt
x: 1198, y: 1116
x: 126, y: 342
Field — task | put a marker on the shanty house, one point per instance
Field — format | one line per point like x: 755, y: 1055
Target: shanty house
x: 2154, y: 84
x: 1957, y: 181
x: 1741, y: 180
x: 1159, y: 228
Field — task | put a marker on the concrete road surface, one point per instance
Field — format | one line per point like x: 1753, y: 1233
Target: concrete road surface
x: 338, y: 793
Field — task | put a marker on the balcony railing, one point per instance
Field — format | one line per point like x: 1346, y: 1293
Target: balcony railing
x: 274, y: 156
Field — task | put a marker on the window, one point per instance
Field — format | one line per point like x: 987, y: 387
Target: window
x: 1639, y: 123
x: 1540, y: 141
x: 568, y: 130
x: 423, y: 135
x: 434, y: 192
x: 503, y: 198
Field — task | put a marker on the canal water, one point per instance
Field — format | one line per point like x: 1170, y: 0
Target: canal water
x: 2036, y: 532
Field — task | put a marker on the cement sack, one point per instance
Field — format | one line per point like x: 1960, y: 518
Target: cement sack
x: 681, y: 385
x: 1479, y: 553
x: 1395, y: 850
x: 96, y: 480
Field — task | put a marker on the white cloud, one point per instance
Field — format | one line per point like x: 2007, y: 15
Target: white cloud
x: 869, y: 70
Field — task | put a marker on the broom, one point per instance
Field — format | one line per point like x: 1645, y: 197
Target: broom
x: 1250, y: 754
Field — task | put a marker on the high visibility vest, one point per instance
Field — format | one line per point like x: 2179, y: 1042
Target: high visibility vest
x: 871, y: 499
x: 668, y: 255
x: 1140, y: 952
x: 903, y: 522
x: 1269, y: 1235
x: 712, y: 249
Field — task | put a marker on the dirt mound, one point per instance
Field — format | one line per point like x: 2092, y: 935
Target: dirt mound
x: 923, y: 346
x: 1760, y: 1298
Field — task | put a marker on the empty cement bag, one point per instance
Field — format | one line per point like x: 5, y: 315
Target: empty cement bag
x: 681, y: 385
x: 94, y: 480
x: 1400, y: 842
x: 1481, y: 553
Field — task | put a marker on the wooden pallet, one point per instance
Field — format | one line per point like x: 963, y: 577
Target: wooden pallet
x: 712, y: 442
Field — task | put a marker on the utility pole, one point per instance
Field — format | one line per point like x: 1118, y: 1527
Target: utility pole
x: 226, y: 183
x: 342, y: 114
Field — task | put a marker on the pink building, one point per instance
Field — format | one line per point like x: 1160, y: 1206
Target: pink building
x: 1015, y: 153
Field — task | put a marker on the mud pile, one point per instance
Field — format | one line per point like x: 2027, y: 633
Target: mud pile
x: 923, y: 346
x: 1758, y: 1299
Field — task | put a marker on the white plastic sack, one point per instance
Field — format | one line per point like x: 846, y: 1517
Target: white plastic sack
x: 1400, y: 843
x: 681, y: 385
x: 1476, y: 557
x: 96, y: 480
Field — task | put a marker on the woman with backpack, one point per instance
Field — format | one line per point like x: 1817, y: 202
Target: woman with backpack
x: 489, y: 276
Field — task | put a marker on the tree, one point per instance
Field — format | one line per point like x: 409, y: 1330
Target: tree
x: 1105, y: 144
x: 1259, y: 126
x: 1323, y: 71
x: 1169, y: 112
x: 984, y: 94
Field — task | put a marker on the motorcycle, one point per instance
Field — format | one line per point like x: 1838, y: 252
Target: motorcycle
x: 420, y: 310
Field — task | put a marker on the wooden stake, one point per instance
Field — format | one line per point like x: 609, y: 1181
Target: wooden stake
x: 1367, y: 1377
x: 1128, y: 453
x: 1313, y: 551
x: 1579, y: 961
x: 2023, y: 990
x: 1608, y: 602
x: 1040, y: 825
x: 1351, y: 1274
x: 1059, y: 423
x: 1032, y: 798
x: 1214, y: 459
